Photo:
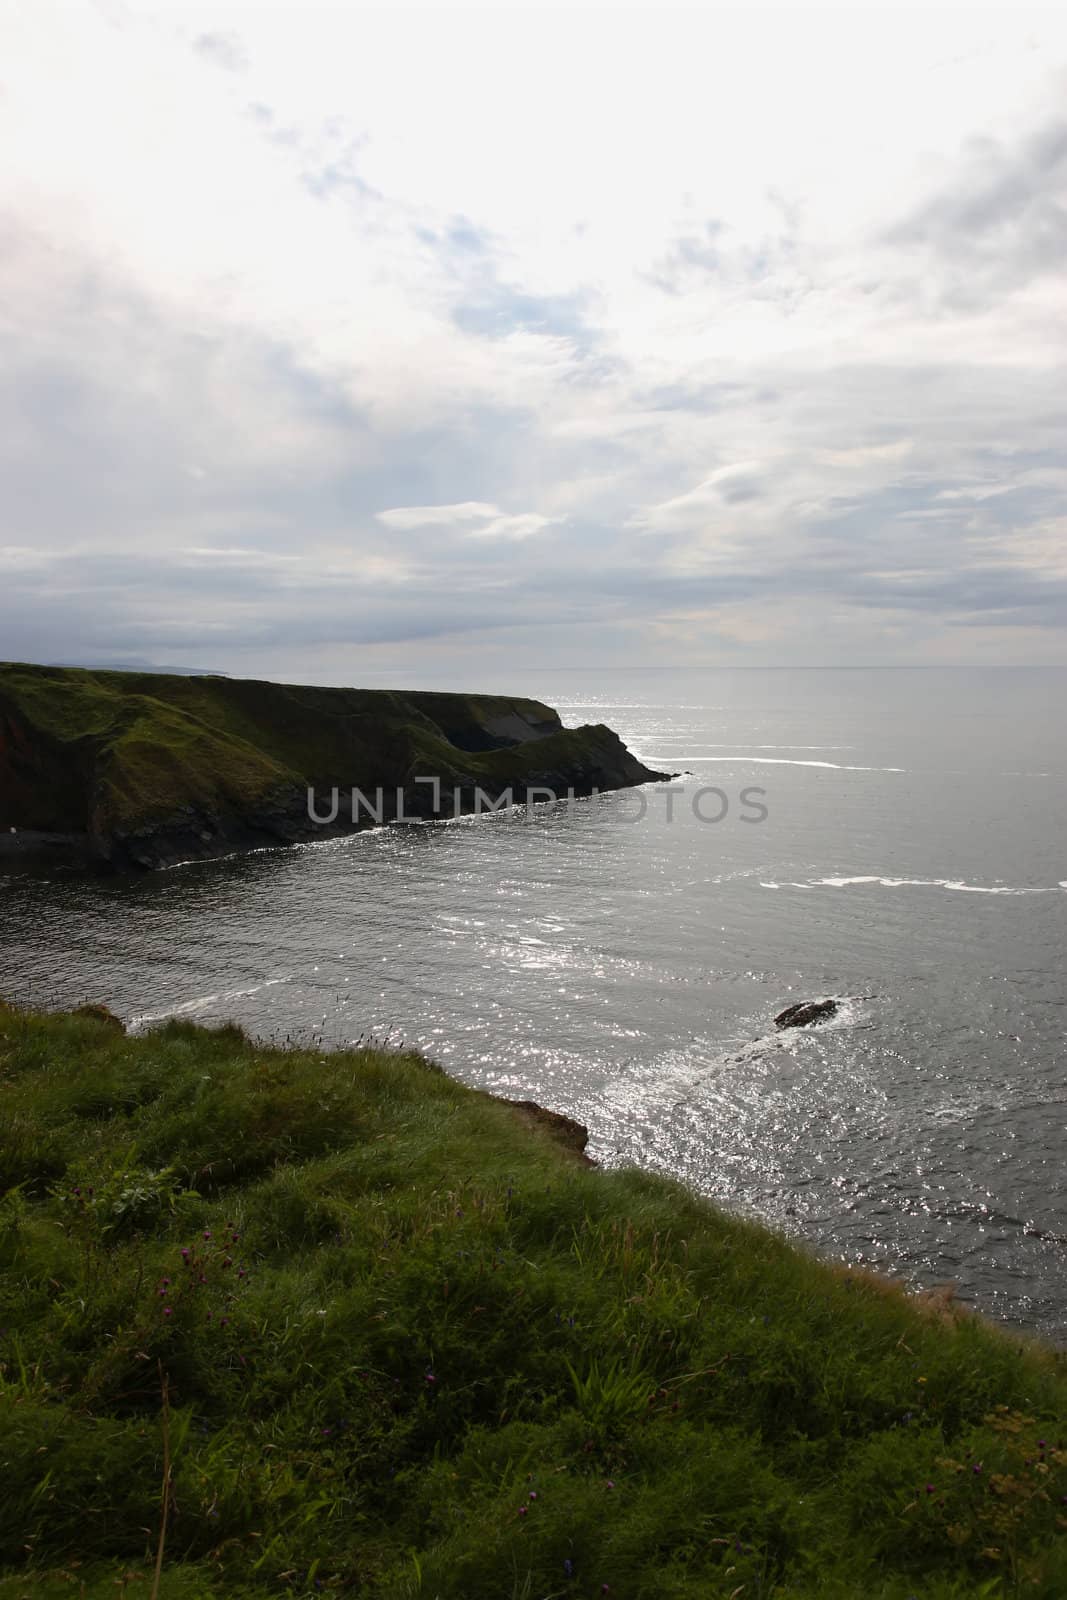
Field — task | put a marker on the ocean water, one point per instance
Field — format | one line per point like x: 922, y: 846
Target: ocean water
x: 626, y: 969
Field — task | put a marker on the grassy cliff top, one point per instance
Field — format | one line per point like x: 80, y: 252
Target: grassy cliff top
x: 73, y: 702
x: 149, y: 730
x: 410, y: 1347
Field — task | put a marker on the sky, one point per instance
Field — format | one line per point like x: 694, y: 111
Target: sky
x: 340, y: 344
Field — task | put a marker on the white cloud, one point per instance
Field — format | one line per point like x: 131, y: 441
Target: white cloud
x: 471, y: 519
x: 512, y: 529
x: 405, y: 517
x: 264, y: 271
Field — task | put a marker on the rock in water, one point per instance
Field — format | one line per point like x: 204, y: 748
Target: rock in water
x: 805, y: 1012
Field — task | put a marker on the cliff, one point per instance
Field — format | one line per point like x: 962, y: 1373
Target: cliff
x: 142, y: 769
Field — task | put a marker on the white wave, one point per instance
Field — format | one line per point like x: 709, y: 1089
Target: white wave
x: 957, y: 885
x: 778, y: 761
x: 731, y: 744
x: 202, y: 1002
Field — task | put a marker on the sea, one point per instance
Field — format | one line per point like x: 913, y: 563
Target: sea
x: 893, y: 839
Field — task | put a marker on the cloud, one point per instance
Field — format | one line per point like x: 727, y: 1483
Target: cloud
x: 436, y: 516
x: 471, y: 519
x: 512, y: 529
x: 377, y: 351
x: 224, y: 49
x: 1001, y: 221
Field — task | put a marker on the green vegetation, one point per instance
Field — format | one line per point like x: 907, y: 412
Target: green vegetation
x: 395, y: 1342
x: 152, y: 766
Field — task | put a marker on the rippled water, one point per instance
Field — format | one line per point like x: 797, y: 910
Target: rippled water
x: 627, y: 971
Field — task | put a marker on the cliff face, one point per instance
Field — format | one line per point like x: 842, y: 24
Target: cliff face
x: 142, y: 769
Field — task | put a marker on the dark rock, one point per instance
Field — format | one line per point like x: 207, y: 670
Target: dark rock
x: 572, y: 1135
x: 805, y: 1012
x: 100, y: 1014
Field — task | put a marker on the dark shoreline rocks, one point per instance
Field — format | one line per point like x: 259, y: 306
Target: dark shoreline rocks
x: 572, y: 1135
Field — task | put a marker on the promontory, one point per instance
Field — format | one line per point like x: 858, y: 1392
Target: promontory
x: 140, y: 770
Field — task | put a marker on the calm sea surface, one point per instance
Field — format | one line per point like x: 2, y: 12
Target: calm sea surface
x: 627, y: 970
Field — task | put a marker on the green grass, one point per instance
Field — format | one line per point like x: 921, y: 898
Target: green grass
x: 410, y: 1347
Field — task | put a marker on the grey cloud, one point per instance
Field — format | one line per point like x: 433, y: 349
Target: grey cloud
x: 223, y: 50
x: 1001, y: 222
x: 710, y: 255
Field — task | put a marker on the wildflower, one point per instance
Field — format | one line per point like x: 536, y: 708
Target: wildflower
x: 167, y: 1311
x: 533, y: 1494
x: 977, y: 1467
x: 611, y: 1483
x: 431, y: 1377
x: 929, y: 1488
x: 207, y: 1233
x: 522, y: 1511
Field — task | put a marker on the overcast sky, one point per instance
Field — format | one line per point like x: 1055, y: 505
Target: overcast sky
x: 337, y: 343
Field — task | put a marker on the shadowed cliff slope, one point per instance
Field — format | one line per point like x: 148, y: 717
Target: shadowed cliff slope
x: 140, y: 769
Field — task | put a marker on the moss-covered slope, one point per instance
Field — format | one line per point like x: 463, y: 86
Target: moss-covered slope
x: 150, y: 767
x: 410, y: 1347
